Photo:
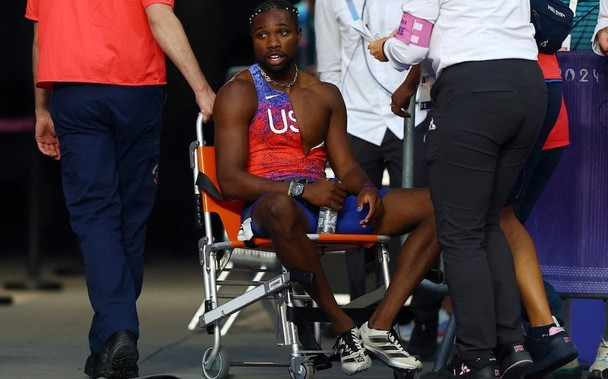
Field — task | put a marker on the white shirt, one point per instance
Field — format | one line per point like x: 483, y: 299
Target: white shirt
x: 344, y: 60
x: 467, y: 30
x: 602, y: 22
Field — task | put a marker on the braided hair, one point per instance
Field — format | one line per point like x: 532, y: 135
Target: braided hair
x: 267, y: 5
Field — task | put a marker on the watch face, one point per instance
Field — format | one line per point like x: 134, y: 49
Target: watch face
x: 297, y: 189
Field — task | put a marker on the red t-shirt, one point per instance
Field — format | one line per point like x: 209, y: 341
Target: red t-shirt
x: 96, y: 41
x: 560, y: 134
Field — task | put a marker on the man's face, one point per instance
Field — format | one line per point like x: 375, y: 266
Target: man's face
x: 275, y: 39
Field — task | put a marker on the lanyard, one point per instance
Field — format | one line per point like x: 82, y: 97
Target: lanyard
x: 353, y: 10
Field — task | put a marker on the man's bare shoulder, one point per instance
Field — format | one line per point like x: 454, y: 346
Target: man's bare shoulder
x: 238, y: 94
x: 239, y: 82
x: 239, y: 87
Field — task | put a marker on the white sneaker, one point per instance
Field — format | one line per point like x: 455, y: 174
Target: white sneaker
x: 387, y: 346
x: 601, y: 360
x: 353, y: 356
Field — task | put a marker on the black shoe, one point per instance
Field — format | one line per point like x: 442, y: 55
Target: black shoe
x: 122, y: 355
x: 423, y: 342
x: 514, y: 360
x: 550, y: 351
x: 97, y: 365
x: 484, y: 366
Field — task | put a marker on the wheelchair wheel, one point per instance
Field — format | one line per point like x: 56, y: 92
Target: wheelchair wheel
x: 219, y: 368
x: 308, y: 372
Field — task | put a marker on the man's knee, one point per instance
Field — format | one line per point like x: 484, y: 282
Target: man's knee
x: 278, y: 211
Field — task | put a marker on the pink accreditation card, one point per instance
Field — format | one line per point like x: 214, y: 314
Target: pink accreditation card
x: 414, y: 31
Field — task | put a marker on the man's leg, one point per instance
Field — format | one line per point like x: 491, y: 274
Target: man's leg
x: 279, y: 216
x: 527, y: 269
x: 370, y: 159
x: 90, y: 183
x: 547, y: 342
x: 405, y: 210
x: 392, y: 155
x: 137, y: 141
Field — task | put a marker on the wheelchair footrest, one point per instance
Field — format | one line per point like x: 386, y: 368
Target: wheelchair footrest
x: 271, y: 287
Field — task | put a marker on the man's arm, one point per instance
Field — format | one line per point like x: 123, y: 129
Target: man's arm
x: 232, y: 151
x: 342, y: 158
x: 169, y: 33
x: 337, y: 143
x: 231, y: 121
x: 400, y: 100
x: 599, y: 40
x: 328, y: 46
x: 45, y: 136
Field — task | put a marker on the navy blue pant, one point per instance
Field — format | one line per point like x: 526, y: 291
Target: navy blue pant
x: 110, y: 142
x: 485, y: 118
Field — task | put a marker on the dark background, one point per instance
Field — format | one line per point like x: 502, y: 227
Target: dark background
x: 32, y: 208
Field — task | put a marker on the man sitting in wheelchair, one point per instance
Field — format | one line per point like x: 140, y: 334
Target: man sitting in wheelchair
x: 276, y: 129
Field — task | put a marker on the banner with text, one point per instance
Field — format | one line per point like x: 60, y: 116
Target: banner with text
x: 569, y: 223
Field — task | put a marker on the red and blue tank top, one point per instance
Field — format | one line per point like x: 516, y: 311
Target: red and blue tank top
x: 275, y: 142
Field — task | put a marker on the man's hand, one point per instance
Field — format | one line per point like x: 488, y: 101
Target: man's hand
x: 325, y: 193
x: 400, y: 100
x: 602, y: 40
x: 375, y: 49
x: 205, y: 100
x: 370, y: 195
x: 46, y: 139
x: 171, y: 37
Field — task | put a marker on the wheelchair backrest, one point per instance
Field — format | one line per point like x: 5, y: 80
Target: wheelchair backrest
x: 229, y: 211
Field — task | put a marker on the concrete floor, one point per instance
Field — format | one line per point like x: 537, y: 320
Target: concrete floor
x: 43, y: 334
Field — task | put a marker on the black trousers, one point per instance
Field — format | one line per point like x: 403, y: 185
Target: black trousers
x: 485, y: 118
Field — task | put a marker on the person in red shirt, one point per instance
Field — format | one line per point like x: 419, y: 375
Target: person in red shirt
x: 100, y: 89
